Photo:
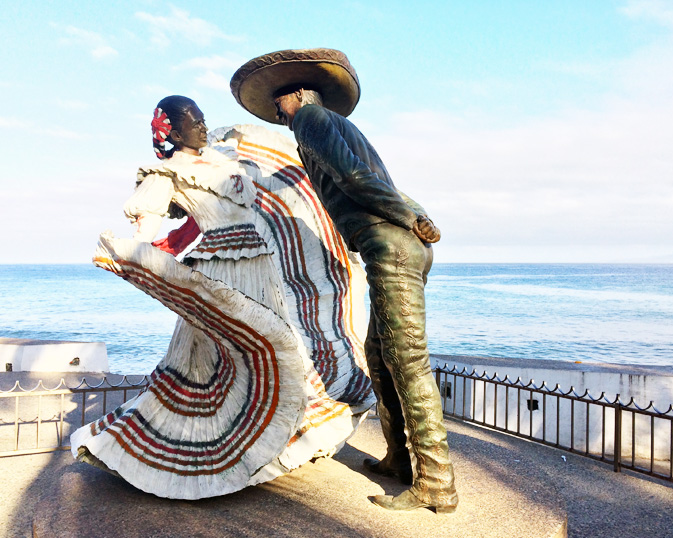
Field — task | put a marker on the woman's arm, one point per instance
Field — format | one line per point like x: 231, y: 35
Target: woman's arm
x: 149, y: 204
x: 147, y: 227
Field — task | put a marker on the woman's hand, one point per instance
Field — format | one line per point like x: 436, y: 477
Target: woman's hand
x: 147, y: 227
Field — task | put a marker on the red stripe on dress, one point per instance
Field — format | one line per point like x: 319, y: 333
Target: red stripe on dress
x: 245, y: 334
x: 358, y: 386
x: 324, y: 358
x: 344, y: 299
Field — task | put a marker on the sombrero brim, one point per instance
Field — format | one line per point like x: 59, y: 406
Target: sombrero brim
x: 328, y: 71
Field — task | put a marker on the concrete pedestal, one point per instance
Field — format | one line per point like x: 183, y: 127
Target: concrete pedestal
x: 500, y: 496
x: 20, y: 355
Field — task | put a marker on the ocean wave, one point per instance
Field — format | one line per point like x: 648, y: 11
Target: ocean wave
x: 661, y: 299
x: 619, y: 314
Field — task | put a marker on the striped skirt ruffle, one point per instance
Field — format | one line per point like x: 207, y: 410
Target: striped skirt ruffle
x: 230, y: 393
x: 238, y: 241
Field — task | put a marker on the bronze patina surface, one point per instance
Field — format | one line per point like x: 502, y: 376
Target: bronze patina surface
x: 392, y: 233
x: 327, y: 71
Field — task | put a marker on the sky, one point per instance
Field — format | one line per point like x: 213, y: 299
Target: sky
x: 530, y: 131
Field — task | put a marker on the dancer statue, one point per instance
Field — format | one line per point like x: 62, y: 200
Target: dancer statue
x: 311, y: 91
x: 265, y: 370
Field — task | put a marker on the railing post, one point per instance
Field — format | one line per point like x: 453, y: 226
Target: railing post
x: 16, y: 423
x: 464, y: 387
x: 83, y: 407
x: 442, y: 393
x: 60, y: 426
x: 58, y: 420
x: 618, y: 436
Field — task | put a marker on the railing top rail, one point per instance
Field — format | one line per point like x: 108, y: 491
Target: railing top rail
x: 106, y: 383
x: 84, y: 385
x: 35, y: 393
x: 571, y: 393
x: 38, y: 387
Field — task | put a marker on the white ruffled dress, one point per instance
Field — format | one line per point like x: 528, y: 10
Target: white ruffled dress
x: 265, y: 369
x: 218, y: 193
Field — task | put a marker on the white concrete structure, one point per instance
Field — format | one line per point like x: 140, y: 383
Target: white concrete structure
x: 516, y: 409
x: 19, y: 355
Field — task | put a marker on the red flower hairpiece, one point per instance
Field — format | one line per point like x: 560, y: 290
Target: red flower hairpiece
x: 161, y: 125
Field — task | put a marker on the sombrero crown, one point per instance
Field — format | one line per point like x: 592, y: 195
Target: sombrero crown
x: 328, y: 71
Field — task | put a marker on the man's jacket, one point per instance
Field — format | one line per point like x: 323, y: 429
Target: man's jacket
x: 347, y: 173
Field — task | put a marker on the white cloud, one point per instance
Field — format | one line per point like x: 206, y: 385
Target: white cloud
x: 180, y: 24
x: 215, y: 70
x: 155, y: 89
x: 71, y: 104
x: 214, y: 80
x: 230, y: 62
x: 659, y: 11
x: 578, y: 69
x: 14, y: 123
x: 572, y: 179
x: 74, y: 209
x: 648, y: 74
x: 32, y: 127
x: 95, y: 43
x: 103, y: 52
x: 58, y: 132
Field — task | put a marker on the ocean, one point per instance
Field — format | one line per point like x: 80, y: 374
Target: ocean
x: 572, y: 312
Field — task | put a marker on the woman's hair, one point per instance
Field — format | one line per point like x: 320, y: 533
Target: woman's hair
x: 169, y: 114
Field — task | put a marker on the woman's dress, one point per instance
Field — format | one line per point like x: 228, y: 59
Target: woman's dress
x: 265, y: 369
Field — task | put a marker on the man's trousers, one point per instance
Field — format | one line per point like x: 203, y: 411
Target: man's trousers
x: 397, y: 264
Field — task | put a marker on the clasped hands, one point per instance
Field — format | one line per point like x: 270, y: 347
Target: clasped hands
x: 426, y: 230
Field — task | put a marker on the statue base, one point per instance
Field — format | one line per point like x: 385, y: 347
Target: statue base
x: 502, y: 493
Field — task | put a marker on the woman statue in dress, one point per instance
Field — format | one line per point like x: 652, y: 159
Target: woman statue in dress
x: 249, y: 388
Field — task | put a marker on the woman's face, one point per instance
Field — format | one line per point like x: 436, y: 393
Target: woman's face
x: 192, y: 134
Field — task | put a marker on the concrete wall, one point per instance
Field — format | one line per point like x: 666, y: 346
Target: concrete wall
x: 565, y: 422
x: 52, y: 356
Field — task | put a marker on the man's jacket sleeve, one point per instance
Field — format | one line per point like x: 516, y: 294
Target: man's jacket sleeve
x: 321, y: 140
x: 413, y: 204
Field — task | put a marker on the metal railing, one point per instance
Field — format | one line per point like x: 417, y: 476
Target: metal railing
x: 623, y: 434
x: 620, y: 433
x: 44, y: 418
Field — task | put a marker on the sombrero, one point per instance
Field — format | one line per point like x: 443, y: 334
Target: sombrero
x: 327, y: 71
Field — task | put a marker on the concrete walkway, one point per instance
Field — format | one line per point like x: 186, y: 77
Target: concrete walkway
x: 508, y: 488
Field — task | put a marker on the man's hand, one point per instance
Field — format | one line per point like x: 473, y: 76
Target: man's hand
x: 426, y: 230
x: 237, y: 135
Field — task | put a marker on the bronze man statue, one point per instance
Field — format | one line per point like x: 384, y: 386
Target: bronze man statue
x: 311, y: 91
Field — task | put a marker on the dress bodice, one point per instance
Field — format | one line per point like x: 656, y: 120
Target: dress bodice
x: 213, y: 189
